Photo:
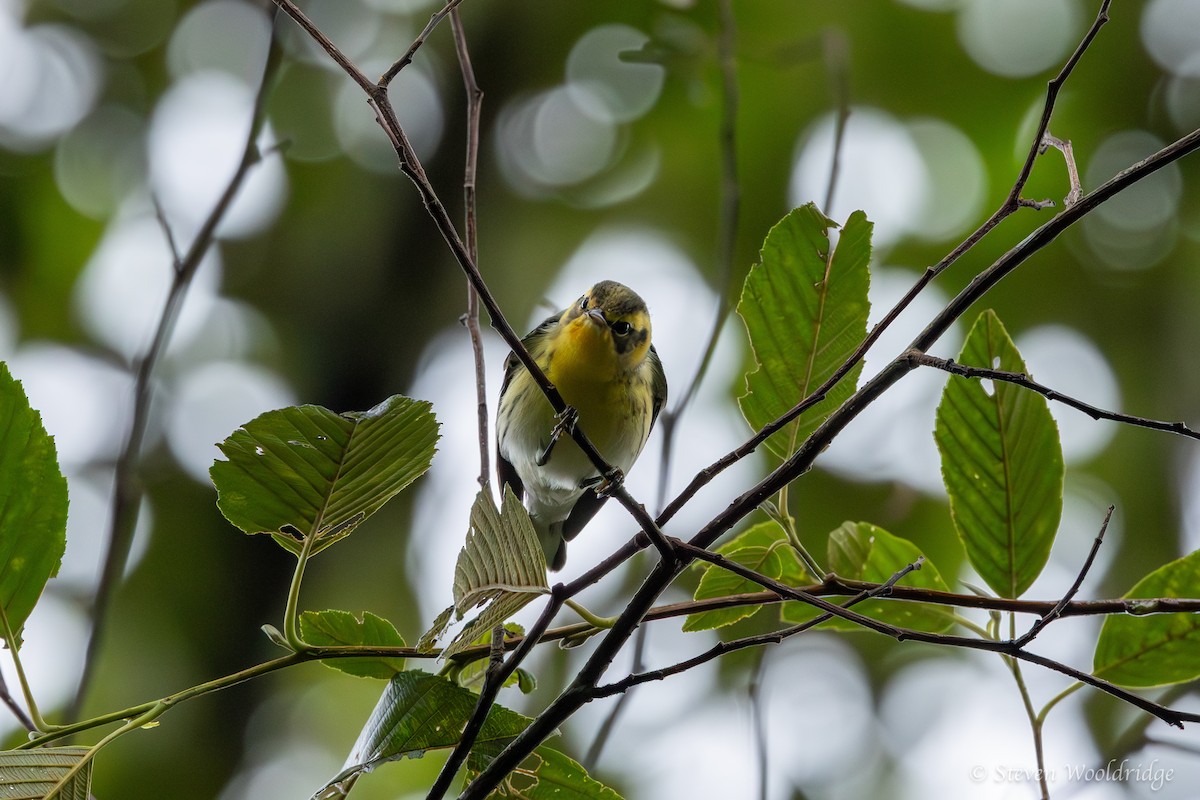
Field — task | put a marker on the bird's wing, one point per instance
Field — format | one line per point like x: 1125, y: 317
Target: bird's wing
x: 658, y: 384
x: 506, y: 473
x: 581, y: 513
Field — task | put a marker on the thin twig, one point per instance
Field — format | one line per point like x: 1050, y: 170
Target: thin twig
x: 487, y: 695
x: 471, y: 319
x: 829, y: 610
x: 1064, y: 146
x: 1057, y: 611
x: 12, y: 704
x: 758, y: 715
x: 127, y: 486
x: 540, y: 633
x: 1008, y: 648
x: 450, y: 8
x: 1023, y: 380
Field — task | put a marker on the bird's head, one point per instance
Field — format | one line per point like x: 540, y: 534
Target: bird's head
x: 609, y: 322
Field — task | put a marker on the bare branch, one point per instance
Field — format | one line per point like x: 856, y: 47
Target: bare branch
x: 1064, y: 146
x: 406, y: 59
x: 774, y: 637
x: 471, y: 319
x: 1057, y: 611
x: 1020, y: 379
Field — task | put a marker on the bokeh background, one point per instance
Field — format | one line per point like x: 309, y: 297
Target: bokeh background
x: 328, y: 284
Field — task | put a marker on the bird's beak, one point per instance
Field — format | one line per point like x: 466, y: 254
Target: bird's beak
x: 597, y: 316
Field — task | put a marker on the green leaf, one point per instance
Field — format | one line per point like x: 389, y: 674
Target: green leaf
x: 501, y: 564
x: 341, y: 628
x: 548, y: 775
x: 865, y: 552
x: 419, y: 712
x: 1002, y: 464
x: 305, y: 470
x: 31, y: 774
x: 1155, y: 649
x: 763, y: 548
x: 33, y: 505
x: 805, y: 312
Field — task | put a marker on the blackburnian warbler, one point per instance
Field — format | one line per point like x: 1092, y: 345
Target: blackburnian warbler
x: 597, y: 353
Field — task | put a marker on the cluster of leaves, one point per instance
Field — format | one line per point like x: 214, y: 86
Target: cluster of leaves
x: 805, y: 308
x: 308, y: 477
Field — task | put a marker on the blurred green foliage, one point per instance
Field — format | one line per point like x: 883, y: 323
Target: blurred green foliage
x: 355, y: 282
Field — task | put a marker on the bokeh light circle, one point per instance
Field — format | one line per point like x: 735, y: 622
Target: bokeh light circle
x: 52, y: 76
x: 226, y: 35
x: 957, y: 179
x: 212, y: 401
x: 605, y: 87
x: 881, y: 171
x: 120, y: 294
x: 101, y: 162
x: 546, y: 141
x: 1171, y: 34
x: 197, y: 135
x: 1018, y: 38
x: 1069, y: 362
x: 84, y: 402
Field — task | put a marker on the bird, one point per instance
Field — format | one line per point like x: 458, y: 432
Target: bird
x: 598, y: 354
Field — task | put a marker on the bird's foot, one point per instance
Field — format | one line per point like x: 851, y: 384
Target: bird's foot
x: 565, y: 425
x: 612, y: 480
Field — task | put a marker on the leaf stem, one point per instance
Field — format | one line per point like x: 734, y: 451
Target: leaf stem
x: 34, y: 714
x: 291, y: 614
x: 591, y: 619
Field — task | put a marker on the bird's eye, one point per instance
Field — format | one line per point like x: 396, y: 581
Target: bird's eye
x: 621, y: 328
x: 583, y: 303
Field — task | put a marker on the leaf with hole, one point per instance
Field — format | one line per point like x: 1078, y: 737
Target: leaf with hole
x: 306, y: 471
x: 805, y: 308
x: 546, y: 775
x: 1002, y: 464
